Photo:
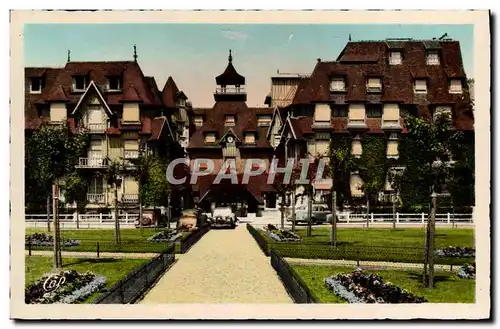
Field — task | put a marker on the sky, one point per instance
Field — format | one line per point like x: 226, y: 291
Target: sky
x: 194, y: 54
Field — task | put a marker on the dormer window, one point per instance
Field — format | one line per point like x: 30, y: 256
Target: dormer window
x: 181, y: 102
x: 250, y: 138
x: 264, y: 121
x: 455, y: 86
x: 36, y: 86
x: 114, y: 83
x: 210, y: 138
x: 79, y: 83
x: 432, y: 58
x: 230, y: 120
x: 395, y: 58
x: 374, y: 85
x: 420, y: 86
x: 337, y: 84
x: 198, y: 121
x: 373, y: 111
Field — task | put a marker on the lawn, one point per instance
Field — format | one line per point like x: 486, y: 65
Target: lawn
x: 132, y: 240
x: 448, y: 288
x: 373, y: 244
x: 113, y: 269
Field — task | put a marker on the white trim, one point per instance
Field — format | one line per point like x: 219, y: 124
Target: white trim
x: 291, y: 128
x: 273, y: 121
x: 234, y: 134
x: 103, y: 102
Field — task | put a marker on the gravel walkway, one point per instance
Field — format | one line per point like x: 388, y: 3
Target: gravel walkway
x: 85, y: 254
x: 225, y: 266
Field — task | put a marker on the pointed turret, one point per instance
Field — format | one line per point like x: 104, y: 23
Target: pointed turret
x: 230, y: 84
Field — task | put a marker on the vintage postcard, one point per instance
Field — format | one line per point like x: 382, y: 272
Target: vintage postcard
x: 240, y: 165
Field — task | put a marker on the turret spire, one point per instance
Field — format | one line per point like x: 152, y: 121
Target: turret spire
x: 69, y: 55
x: 135, y: 53
x: 230, y: 56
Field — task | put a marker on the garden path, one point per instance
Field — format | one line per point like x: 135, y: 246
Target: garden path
x: 225, y: 266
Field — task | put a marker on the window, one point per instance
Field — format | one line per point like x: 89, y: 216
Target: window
x: 230, y: 120
x: 79, y: 83
x: 420, y: 86
x: 264, y: 120
x: 337, y: 84
x: 455, y: 86
x: 395, y: 58
x: 182, y: 102
x: 198, y: 121
x: 36, y: 85
x: 373, y: 112
x: 340, y: 112
x: 114, y: 83
x: 96, y: 186
x: 374, y: 85
x: 250, y: 138
x: 441, y: 110
x: 433, y: 58
x: 210, y: 138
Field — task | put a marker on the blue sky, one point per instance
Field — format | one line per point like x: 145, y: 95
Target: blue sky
x: 193, y: 54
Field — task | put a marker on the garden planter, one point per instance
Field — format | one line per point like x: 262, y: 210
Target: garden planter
x: 165, y: 236
x: 42, y: 239
x: 66, y: 287
x: 358, y: 287
x: 459, y: 252
x: 281, y: 235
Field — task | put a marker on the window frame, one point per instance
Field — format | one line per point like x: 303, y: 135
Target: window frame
x: 451, y: 91
x: 371, y: 108
x: 119, y: 81
x: 432, y: 53
x: 391, y: 58
x: 40, y: 84
x: 74, y: 83
x: 416, y: 91
x: 338, y: 79
x: 336, y: 110
x: 372, y: 89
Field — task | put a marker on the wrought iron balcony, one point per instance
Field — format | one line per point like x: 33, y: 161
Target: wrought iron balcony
x: 92, y: 162
x: 96, y: 197
x: 230, y: 91
x: 131, y: 154
x: 130, y: 198
x: 96, y: 127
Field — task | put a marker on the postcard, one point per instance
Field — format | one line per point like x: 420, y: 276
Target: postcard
x: 242, y: 164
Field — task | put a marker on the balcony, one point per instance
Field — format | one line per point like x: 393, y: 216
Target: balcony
x: 96, y: 197
x: 356, y: 124
x: 96, y: 128
x: 230, y: 91
x: 322, y: 125
x: 391, y: 124
x: 92, y: 162
x: 130, y: 198
x: 131, y: 154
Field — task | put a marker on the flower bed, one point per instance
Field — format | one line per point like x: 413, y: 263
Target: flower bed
x: 467, y: 272
x: 458, y: 252
x: 165, y: 236
x: 281, y: 235
x: 358, y: 287
x: 66, y: 287
x: 42, y: 239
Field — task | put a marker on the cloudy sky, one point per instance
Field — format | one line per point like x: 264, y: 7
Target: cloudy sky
x: 193, y: 54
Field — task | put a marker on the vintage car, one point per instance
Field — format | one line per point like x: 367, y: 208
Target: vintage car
x: 223, y: 216
x: 320, y: 214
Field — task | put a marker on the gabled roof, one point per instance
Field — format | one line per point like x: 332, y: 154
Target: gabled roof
x: 92, y: 86
x: 169, y: 93
x: 231, y: 132
x: 276, y: 116
x: 57, y: 95
x: 230, y: 76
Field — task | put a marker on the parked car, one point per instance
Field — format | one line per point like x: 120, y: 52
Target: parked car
x: 223, y: 216
x: 320, y: 214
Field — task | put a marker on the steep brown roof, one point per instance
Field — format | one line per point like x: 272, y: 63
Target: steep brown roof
x: 302, y: 126
x: 230, y: 76
x: 169, y: 93
x: 130, y: 95
x: 362, y: 60
x: 246, y: 120
x: 32, y: 101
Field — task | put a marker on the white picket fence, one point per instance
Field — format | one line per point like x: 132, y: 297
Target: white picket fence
x: 84, y: 220
x: 401, y: 218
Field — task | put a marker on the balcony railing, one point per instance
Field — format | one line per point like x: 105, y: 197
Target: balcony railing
x: 96, y: 127
x: 230, y: 91
x: 96, y: 197
x: 131, y: 154
x: 130, y: 198
x: 391, y: 124
x: 92, y: 162
x: 322, y: 124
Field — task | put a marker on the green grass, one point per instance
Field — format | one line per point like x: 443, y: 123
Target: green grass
x: 113, y: 269
x: 373, y: 244
x: 448, y: 288
x: 132, y: 240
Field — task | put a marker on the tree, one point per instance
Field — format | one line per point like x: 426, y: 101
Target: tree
x: 51, y: 153
x: 141, y: 176
x: 372, y: 167
x: 431, y: 143
x: 75, y: 191
x: 155, y: 189
x: 114, y: 176
x: 340, y: 165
